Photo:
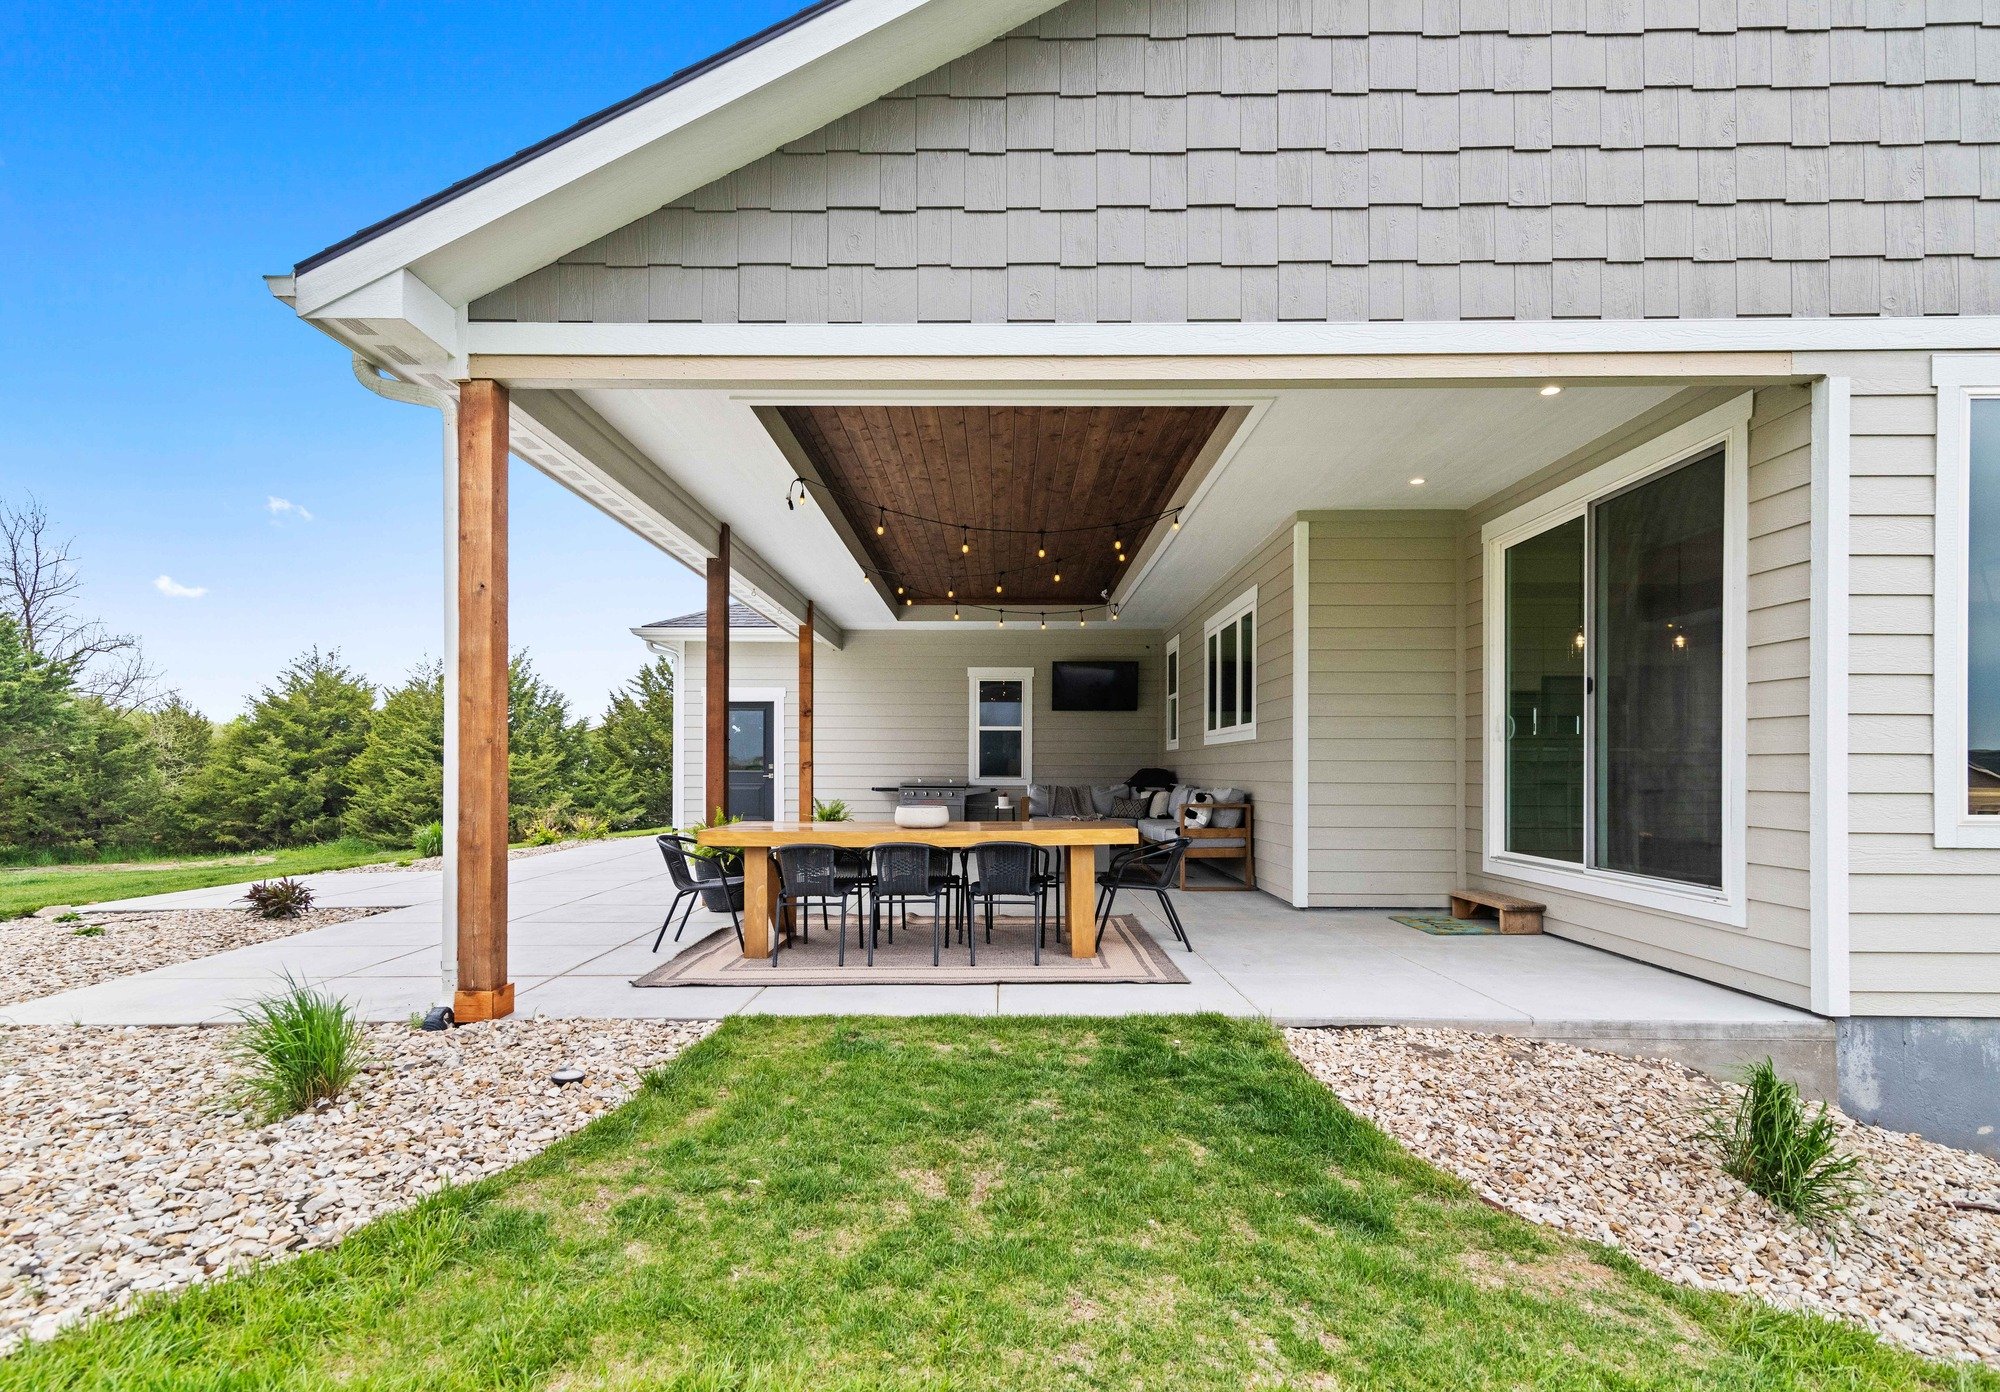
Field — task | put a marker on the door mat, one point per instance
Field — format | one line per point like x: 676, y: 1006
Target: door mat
x: 1445, y: 926
x: 1126, y: 955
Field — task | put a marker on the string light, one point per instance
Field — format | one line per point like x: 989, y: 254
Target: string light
x: 800, y: 489
x: 1045, y: 621
x: 1058, y: 577
x: 964, y: 541
x: 882, y: 522
x: 1042, y: 546
x: 999, y: 589
x: 954, y: 613
x: 1001, y: 622
x: 1177, y: 522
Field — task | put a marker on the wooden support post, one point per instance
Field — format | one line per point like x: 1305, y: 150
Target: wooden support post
x: 806, y: 716
x: 484, y: 991
x: 715, y: 789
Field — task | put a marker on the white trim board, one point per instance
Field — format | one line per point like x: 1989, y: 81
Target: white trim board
x: 1301, y: 712
x: 1958, y: 381
x: 1450, y: 338
x: 1727, y: 425
x: 1827, y: 809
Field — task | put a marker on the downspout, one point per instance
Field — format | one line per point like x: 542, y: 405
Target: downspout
x: 412, y: 394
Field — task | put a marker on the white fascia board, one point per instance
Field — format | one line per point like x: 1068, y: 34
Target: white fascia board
x: 685, y: 137
x: 1230, y: 340
x: 401, y: 312
x: 588, y: 441
x: 654, y: 634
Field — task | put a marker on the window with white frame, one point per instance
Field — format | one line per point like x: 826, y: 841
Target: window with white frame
x: 1615, y: 637
x: 1173, y: 692
x: 1229, y: 672
x: 1966, y: 657
x: 1003, y: 714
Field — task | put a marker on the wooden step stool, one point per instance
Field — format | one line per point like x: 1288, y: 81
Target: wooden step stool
x: 1516, y: 915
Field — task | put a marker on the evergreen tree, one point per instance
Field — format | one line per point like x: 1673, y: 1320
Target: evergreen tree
x: 180, y: 737
x: 278, y: 776
x: 548, y: 754
x: 636, y: 737
x: 398, y: 778
x: 39, y: 729
x: 109, y: 790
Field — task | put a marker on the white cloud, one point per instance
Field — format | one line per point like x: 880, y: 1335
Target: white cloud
x: 174, y: 589
x: 279, y: 507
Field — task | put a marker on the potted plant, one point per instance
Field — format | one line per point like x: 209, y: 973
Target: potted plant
x: 833, y: 810
x: 714, y: 862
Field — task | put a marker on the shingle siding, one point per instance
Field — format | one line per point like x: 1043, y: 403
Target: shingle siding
x: 1219, y: 160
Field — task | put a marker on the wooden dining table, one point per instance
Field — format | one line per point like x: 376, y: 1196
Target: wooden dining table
x: 1076, y: 840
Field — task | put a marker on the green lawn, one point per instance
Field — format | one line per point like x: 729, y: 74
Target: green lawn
x: 25, y: 888
x: 1011, y: 1204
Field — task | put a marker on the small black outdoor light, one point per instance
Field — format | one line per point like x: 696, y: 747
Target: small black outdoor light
x: 563, y: 1077
x: 439, y: 1017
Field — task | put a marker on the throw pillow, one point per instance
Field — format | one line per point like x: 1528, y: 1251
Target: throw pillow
x: 1130, y: 808
x: 1158, y: 802
x: 1232, y: 817
x: 1198, y: 811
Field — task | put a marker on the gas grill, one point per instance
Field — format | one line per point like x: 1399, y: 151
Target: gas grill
x: 964, y: 801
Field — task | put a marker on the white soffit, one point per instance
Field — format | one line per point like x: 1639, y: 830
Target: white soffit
x: 688, y: 135
x: 1307, y: 450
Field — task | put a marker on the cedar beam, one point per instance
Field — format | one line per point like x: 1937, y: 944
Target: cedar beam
x: 483, y: 990
x: 806, y: 716
x: 716, y: 785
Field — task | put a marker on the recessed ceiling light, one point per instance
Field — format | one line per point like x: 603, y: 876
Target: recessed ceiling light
x: 1551, y: 390
x: 1416, y: 483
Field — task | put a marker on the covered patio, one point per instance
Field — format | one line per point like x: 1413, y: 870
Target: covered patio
x: 582, y: 922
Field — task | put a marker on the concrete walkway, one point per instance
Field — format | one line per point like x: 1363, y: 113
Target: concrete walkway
x: 582, y: 923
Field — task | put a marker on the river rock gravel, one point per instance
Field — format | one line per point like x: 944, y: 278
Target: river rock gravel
x: 124, y: 1168
x: 40, y: 956
x: 1609, y: 1148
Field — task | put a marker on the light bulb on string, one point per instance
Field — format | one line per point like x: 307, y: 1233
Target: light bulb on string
x: 964, y: 541
x: 881, y: 522
x: 1045, y: 621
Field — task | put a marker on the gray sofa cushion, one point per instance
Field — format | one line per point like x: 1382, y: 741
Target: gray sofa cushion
x: 1102, y: 797
x: 1039, y: 798
x: 1166, y: 829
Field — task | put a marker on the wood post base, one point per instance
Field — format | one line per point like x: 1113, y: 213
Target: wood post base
x: 470, y: 1007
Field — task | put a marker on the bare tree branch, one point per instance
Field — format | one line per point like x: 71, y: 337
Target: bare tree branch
x: 38, y: 589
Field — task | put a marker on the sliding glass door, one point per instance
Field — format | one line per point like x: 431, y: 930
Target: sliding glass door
x: 1614, y: 682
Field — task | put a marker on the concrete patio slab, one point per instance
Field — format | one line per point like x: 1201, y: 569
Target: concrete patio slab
x: 582, y: 922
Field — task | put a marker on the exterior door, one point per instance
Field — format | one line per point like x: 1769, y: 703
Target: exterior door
x: 753, y: 763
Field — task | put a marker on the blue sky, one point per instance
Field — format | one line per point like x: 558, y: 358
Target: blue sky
x: 155, y: 161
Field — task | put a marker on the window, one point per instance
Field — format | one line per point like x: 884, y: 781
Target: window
x: 1615, y: 638
x: 1966, y: 756
x: 1229, y: 667
x: 1003, y: 705
x: 1173, y: 700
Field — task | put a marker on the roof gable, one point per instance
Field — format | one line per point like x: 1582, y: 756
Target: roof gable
x: 492, y: 228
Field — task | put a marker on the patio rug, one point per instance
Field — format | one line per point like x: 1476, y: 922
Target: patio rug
x: 1445, y: 926
x: 1126, y: 954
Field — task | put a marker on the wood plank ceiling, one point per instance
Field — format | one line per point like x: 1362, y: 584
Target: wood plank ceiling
x: 1009, y: 481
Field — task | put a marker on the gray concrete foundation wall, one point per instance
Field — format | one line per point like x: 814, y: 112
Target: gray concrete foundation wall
x: 1936, y: 1076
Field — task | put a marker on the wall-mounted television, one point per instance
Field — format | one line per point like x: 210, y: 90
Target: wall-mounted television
x: 1094, y: 686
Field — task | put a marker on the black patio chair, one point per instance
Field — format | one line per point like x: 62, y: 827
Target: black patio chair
x: 1151, y: 866
x: 822, y: 875
x: 906, y: 873
x: 1011, y: 872
x: 697, y: 879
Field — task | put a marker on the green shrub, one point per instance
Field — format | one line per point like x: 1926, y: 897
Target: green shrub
x: 831, y: 811
x: 286, y: 898
x: 546, y: 827
x: 71, y: 917
x: 88, y: 930
x: 428, y: 842
x: 588, y: 826
x: 1769, y: 1143
x: 298, y: 1048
